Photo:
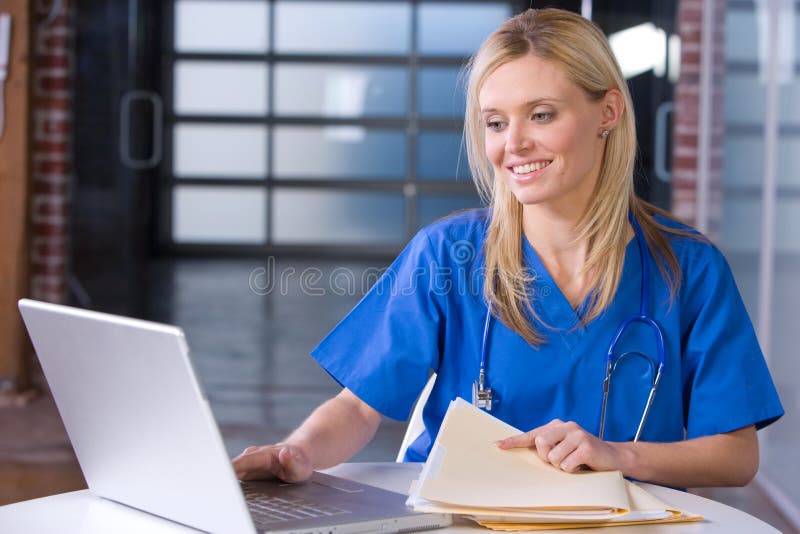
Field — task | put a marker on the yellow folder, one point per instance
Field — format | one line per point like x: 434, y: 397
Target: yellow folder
x: 466, y: 473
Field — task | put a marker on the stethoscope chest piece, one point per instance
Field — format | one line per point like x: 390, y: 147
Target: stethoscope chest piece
x: 481, y: 396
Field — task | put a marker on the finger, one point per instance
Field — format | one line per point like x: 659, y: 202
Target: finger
x: 528, y: 439
x: 255, y: 463
x: 575, y: 461
x: 559, y: 452
x: 248, y: 452
x: 293, y: 465
x: 544, y: 445
x: 550, y: 436
x: 518, y: 441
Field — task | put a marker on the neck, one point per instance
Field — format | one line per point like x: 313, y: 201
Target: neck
x: 553, y: 234
x: 554, y: 237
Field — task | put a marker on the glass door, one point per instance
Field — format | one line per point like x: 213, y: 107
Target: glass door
x: 117, y: 148
x: 314, y: 126
x: 760, y: 231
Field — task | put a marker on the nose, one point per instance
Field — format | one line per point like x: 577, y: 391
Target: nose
x: 518, y: 139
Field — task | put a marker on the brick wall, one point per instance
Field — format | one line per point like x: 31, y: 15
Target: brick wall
x: 686, y: 117
x: 51, y: 164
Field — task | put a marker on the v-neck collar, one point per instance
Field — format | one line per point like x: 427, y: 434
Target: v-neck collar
x: 550, y: 303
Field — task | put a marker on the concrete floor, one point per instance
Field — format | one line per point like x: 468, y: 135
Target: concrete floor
x: 250, y: 344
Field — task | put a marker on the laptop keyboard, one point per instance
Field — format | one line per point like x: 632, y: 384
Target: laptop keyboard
x: 266, y: 509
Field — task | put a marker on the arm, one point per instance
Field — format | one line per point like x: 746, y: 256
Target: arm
x: 729, y: 459
x: 333, y: 432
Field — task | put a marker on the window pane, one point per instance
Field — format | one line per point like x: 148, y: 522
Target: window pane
x: 340, y: 90
x: 343, y: 152
x: 787, y: 226
x: 744, y: 160
x: 433, y: 207
x: 788, y: 161
x: 218, y: 150
x: 342, y: 27
x: 203, y: 26
x: 744, y: 47
x: 741, y: 224
x: 440, y: 93
x: 207, y: 214
x: 741, y: 229
x: 313, y: 216
x: 741, y: 107
x: 457, y: 29
x: 220, y: 88
x: 796, y: 36
x: 441, y: 156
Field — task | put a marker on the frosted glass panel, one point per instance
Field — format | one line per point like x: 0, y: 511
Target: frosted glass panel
x: 744, y: 47
x: 206, y: 214
x: 229, y: 26
x: 797, y: 36
x: 220, y: 88
x: 439, y: 92
x: 745, y: 100
x: 789, y: 161
x: 744, y: 161
x: 313, y: 216
x: 450, y: 28
x: 741, y: 225
x: 441, y: 156
x: 342, y: 27
x: 343, y: 152
x: 787, y: 225
x: 219, y: 150
x: 433, y: 207
x: 340, y: 91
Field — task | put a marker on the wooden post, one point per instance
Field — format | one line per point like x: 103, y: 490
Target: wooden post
x: 14, y: 174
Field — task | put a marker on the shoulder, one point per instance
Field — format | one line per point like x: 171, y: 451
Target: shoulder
x: 688, y: 243
x: 453, y: 240
x: 700, y: 260
x: 466, y: 228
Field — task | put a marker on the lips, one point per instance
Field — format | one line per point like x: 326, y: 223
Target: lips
x: 528, y: 168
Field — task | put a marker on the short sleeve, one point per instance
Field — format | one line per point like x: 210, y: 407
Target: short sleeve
x: 384, y: 348
x: 726, y: 382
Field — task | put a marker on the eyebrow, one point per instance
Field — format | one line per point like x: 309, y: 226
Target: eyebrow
x: 528, y: 104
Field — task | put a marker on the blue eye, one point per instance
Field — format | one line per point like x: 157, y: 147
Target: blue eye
x: 495, y: 125
x: 543, y: 116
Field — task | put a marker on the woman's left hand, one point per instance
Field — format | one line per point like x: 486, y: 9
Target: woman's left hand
x: 568, y: 447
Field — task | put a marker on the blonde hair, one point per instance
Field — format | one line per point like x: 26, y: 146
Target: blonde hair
x: 582, y: 51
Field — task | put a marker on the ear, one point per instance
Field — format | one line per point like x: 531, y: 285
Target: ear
x: 612, y: 108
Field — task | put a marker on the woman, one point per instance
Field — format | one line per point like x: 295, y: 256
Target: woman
x: 561, y: 259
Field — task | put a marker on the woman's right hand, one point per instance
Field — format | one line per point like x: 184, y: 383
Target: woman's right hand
x: 283, y: 461
x: 334, y: 432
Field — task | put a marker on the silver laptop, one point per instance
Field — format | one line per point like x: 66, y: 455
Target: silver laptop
x: 145, y: 436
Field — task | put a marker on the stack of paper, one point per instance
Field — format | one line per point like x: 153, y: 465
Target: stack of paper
x: 466, y: 473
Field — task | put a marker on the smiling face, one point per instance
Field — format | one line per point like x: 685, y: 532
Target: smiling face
x: 542, y: 134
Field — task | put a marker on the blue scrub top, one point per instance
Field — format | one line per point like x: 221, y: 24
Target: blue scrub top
x: 427, y: 312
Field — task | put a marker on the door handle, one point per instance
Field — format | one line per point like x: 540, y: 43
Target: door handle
x: 660, y: 141
x: 125, y: 129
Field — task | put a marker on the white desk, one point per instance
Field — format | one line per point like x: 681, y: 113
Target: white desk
x: 81, y: 512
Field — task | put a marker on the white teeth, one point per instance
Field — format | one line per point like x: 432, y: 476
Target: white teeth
x: 530, y: 167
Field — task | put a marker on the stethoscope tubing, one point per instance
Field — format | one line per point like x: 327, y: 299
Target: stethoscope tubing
x: 611, y: 362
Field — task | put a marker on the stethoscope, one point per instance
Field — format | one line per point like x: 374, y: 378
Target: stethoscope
x: 483, y: 397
